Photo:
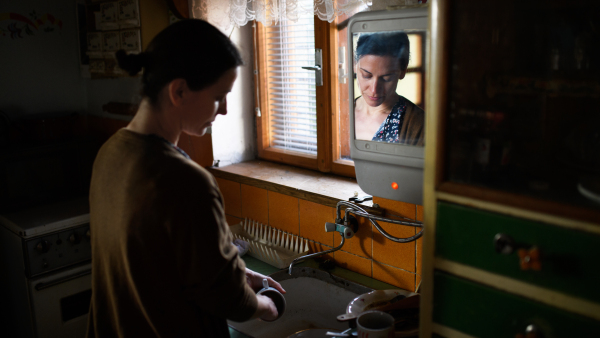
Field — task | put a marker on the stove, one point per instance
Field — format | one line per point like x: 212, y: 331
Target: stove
x: 46, y: 267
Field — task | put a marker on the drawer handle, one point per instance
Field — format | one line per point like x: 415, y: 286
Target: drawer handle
x: 530, y: 259
x: 504, y: 244
x: 532, y: 331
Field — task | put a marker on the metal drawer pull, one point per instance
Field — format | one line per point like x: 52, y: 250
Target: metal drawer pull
x: 529, y: 257
x: 532, y: 331
x: 504, y: 244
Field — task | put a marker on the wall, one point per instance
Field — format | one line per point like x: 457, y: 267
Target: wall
x: 233, y: 135
x: 368, y: 253
x: 39, y: 61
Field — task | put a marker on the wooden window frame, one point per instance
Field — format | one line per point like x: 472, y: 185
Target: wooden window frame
x: 328, y: 107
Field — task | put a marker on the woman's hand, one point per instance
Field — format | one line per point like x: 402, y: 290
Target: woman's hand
x: 266, y: 309
x: 255, y: 279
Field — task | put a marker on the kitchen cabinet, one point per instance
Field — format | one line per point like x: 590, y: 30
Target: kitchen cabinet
x: 512, y: 170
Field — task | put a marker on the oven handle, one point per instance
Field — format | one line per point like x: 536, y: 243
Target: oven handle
x: 45, y: 285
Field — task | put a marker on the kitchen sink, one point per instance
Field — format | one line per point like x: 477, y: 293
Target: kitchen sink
x: 314, y: 299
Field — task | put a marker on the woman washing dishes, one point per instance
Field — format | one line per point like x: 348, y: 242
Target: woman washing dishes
x: 380, y: 113
x: 163, y: 262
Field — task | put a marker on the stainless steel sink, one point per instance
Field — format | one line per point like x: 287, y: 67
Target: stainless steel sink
x: 314, y: 299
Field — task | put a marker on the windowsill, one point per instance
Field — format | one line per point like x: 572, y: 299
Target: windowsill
x: 314, y: 186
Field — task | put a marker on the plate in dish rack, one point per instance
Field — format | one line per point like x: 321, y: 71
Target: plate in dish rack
x: 376, y: 299
x: 394, y: 302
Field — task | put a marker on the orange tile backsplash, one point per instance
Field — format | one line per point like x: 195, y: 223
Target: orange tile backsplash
x: 255, y: 204
x: 283, y: 212
x: 354, y: 263
x: 318, y: 247
x: 392, y: 253
x: 232, y: 220
x: 232, y: 196
x: 394, y: 276
x: 419, y: 256
x: 397, y: 208
x: 367, y: 253
x: 312, y: 221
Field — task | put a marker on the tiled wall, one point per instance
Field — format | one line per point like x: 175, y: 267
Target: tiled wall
x: 368, y: 252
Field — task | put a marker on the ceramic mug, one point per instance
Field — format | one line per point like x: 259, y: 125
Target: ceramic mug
x: 276, y: 296
x: 375, y: 324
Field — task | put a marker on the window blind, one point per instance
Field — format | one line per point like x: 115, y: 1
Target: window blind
x: 292, y: 90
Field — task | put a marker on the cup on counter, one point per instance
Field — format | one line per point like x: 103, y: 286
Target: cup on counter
x: 276, y: 296
x: 375, y: 324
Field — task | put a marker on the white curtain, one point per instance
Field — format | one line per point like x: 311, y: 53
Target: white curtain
x: 225, y: 14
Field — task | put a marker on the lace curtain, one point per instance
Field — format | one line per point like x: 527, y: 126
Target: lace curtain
x: 228, y: 13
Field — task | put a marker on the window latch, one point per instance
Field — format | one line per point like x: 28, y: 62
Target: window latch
x: 317, y: 67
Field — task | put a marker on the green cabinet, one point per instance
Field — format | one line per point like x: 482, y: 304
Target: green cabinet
x: 512, y: 170
x: 482, y: 311
x: 568, y: 258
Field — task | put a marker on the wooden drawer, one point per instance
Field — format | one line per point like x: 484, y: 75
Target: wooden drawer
x: 481, y: 311
x: 569, y: 258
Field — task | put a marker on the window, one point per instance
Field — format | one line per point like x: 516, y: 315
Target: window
x: 299, y: 123
x: 292, y: 114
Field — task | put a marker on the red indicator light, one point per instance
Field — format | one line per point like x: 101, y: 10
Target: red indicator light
x: 394, y: 185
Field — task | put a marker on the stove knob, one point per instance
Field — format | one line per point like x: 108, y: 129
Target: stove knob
x: 43, y: 246
x: 74, y: 238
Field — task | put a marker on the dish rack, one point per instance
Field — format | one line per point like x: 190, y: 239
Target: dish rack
x: 272, y: 246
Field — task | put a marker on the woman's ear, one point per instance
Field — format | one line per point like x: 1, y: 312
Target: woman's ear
x: 402, y: 74
x: 176, y: 90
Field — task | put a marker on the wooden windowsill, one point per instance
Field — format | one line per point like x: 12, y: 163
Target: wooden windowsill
x: 314, y: 186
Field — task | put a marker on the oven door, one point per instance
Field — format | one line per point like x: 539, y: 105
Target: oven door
x: 60, y: 302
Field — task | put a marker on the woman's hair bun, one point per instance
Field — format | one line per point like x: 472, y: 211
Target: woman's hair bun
x: 131, y: 63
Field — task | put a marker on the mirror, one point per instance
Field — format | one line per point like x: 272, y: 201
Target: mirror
x: 389, y: 77
x: 387, y: 101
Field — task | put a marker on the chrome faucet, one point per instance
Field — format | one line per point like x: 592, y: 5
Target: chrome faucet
x: 345, y: 232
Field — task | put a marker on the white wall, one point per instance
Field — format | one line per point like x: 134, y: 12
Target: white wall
x: 234, y: 135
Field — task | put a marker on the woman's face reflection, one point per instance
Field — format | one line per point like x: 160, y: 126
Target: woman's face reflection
x: 378, y: 78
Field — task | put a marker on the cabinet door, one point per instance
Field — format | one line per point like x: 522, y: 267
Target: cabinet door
x: 523, y: 99
x: 568, y: 259
x: 481, y: 311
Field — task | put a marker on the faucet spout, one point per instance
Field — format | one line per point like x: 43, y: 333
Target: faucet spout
x: 315, y: 255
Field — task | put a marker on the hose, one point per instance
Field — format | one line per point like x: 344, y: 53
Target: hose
x: 373, y: 219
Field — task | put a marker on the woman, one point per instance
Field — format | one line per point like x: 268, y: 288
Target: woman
x: 163, y: 262
x: 381, y: 114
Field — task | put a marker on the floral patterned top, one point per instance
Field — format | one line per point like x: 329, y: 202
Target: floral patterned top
x: 389, y: 130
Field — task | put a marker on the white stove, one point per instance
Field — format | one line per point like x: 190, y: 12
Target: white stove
x: 45, y: 262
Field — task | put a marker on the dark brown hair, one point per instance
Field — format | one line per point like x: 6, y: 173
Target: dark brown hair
x: 394, y: 44
x: 190, y: 49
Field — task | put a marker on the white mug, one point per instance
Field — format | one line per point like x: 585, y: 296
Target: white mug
x: 275, y: 295
x: 375, y: 324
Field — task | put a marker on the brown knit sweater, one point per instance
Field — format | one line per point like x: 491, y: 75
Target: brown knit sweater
x: 413, y: 128
x: 163, y: 263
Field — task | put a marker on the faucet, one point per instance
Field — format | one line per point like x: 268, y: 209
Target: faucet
x: 345, y: 232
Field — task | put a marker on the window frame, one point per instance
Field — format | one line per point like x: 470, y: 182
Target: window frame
x: 328, y: 106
